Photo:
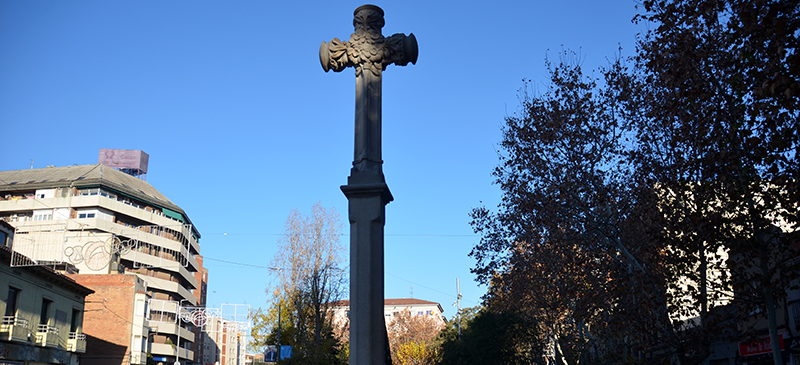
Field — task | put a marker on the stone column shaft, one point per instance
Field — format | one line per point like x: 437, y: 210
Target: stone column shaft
x: 367, y: 214
x: 367, y: 155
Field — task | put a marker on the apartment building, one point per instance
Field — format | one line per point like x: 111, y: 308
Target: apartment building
x: 226, y: 343
x: 391, y: 309
x: 108, y: 221
x: 43, y: 311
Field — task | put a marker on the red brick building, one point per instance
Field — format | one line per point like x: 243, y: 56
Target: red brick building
x: 115, y: 320
x: 201, y: 342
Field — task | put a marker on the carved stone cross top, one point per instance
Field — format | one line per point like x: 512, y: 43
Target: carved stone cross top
x: 369, y: 52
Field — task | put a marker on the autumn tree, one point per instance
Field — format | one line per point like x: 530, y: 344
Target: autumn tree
x: 605, y: 232
x: 636, y: 204
x: 310, y: 274
x: 569, y: 247
x: 722, y: 87
x: 411, y: 338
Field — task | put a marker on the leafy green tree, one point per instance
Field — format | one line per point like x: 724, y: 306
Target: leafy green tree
x: 264, y: 329
x: 259, y: 330
x: 487, y: 337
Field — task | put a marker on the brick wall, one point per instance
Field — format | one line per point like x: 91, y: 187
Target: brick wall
x: 107, y: 318
x: 200, y: 297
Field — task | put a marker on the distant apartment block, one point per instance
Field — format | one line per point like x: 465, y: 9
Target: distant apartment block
x: 226, y: 343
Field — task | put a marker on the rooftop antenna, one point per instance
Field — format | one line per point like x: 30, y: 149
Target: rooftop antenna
x: 412, y: 292
x: 31, y: 164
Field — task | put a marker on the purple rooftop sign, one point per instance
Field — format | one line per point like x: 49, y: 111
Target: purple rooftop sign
x: 124, y: 159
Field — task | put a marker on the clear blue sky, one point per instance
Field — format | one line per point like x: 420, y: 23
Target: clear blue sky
x: 242, y: 124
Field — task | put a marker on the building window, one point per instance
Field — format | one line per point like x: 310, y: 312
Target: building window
x: 91, y: 191
x: 86, y: 215
x: 107, y: 194
x: 138, y: 344
x: 429, y: 313
x: 140, y: 308
x: 44, y: 317
x: 11, y: 302
x: 43, y: 217
x: 76, y: 315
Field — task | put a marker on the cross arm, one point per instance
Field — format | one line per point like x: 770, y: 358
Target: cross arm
x: 333, y: 55
x: 400, y: 49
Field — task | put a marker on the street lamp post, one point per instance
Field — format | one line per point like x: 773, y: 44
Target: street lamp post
x: 178, y: 332
x: 278, y: 358
x: 278, y: 354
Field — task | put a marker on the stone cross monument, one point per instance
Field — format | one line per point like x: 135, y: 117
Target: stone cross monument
x: 369, y: 52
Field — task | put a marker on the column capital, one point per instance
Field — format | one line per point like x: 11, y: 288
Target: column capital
x: 368, y: 190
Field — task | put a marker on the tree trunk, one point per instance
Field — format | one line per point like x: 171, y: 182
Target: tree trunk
x: 769, y: 301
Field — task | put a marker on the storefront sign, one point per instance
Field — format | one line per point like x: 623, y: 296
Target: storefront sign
x: 761, y: 346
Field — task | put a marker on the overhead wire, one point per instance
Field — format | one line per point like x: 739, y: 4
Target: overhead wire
x: 385, y: 272
x: 346, y: 234
x: 281, y: 234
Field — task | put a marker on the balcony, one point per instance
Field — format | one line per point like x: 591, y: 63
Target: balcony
x: 142, y: 259
x: 166, y: 285
x: 163, y: 349
x: 171, y: 328
x: 76, y: 342
x: 187, y: 354
x: 14, y: 329
x: 138, y: 357
x: 47, y: 336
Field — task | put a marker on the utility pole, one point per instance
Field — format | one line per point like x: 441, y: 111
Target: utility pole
x: 278, y: 357
x: 458, y: 300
